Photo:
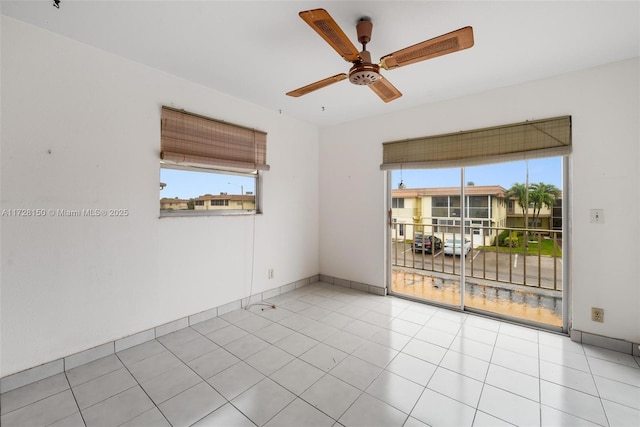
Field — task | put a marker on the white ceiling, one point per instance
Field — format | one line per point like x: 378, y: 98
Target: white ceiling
x: 259, y: 50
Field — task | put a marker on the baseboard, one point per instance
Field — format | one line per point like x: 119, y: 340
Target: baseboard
x: 614, y: 344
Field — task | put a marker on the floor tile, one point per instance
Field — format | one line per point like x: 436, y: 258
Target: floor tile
x: 391, y: 339
x: 517, y: 345
x: 118, y: 409
x: 262, y: 401
x: 31, y: 393
x: 620, y: 415
x: 139, y: 352
x: 331, y: 395
x: 179, y: 337
x: 227, y: 416
x: 614, y: 371
x: 568, y: 377
x: 367, y: 411
x: 610, y: 355
x: 412, y: 368
x: 324, y: 357
x: 253, y: 323
x: 273, y: 333
x: 554, y: 418
x: 472, y: 348
x: 426, y: 351
x: 378, y: 354
x: 92, y: 370
x: 434, y: 409
x: 153, y: 366
x: 226, y: 335
x: 210, y: 325
x: 395, y: 390
x: 246, y: 346
x: 563, y: 357
x: 357, y: 372
x: 297, y: 376
x: 318, y: 331
x: 300, y: 413
x: 336, y: 320
x: 101, y: 388
x: 192, y: 349
x: 485, y: 420
x: 192, y: 405
x: 509, y: 407
x: 296, y: 344
x: 235, y: 380
x: 515, y: 382
x: 618, y: 392
x: 476, y: 333
x: 211, y: 363
x: 572, y: 401
x: 151, y: 418
x: 74, y: 420
x: 170, y: 383
x: 269, y: 360
x: 465, y: 365
x: 365, y: 360
x: 345, y: 341
x: 456, y: 386
x: 42, y: 412
x: 516, y: 361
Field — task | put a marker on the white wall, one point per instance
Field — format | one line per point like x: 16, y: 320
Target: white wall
x: 604, y: 104
x: 81, y: 130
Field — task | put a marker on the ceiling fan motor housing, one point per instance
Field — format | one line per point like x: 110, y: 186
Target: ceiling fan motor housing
x: 364, y: 74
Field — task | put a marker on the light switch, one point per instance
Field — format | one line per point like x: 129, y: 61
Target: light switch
x: 597, y: 216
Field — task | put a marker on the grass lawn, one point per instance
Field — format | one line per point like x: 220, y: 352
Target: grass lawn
x: 546, y: 248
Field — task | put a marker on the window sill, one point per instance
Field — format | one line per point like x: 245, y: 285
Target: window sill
x: 206, y: 213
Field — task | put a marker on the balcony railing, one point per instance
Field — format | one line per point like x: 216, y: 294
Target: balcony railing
x: 517, y: 256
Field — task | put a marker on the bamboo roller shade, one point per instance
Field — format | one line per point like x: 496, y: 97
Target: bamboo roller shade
x: 518, y: 141
x: 189, y: 139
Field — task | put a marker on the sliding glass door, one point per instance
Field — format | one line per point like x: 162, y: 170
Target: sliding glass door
x: 481, y: 238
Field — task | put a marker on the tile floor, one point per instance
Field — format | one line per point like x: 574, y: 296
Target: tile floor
x: 330, y: 356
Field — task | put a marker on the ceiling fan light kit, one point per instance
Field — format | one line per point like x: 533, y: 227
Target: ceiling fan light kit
x: 364, y: 72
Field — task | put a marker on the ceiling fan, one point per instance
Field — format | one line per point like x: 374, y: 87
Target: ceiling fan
x: 363, y: 71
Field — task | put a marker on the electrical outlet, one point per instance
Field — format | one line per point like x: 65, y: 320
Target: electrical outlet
x: 597, y: 314
x: 270, y: 273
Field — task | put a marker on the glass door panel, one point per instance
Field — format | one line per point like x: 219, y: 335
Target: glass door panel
x: 509, y: 251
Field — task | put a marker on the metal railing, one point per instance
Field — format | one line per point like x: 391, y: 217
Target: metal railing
x: 518, y: 256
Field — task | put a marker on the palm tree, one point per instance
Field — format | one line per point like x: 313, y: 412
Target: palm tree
x: 540, y: 195
x: 519, y: 191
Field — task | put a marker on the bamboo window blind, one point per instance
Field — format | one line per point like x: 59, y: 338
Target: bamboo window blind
x: 192, y: 140
x: 518, y: 141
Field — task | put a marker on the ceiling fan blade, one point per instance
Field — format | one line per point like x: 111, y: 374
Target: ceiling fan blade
x: 323, y: 24
x: 441, y: 45
x: 317, y: 85
x: 385, y: 90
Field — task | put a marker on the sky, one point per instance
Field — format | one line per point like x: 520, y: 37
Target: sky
x: 188, y: 184
x: 547, y: 170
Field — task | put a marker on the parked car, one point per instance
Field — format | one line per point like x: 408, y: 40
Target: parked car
x: 454, y: 247
x: 429, y: 243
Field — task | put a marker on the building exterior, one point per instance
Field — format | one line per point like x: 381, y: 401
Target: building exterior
x: 224, y: 201
x: 176, y: 204
x: 489, y: 211
x: 437, y: 210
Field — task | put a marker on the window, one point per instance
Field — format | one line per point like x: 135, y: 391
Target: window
x: 208, y: 166
x: 397, y: 203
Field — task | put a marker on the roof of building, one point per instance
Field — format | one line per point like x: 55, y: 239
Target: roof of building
x: 245, y: 197
x: 471, y: 190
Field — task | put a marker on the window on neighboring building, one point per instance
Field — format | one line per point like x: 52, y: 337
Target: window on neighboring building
x: 397, y: 203
x: 202, y: 157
